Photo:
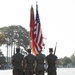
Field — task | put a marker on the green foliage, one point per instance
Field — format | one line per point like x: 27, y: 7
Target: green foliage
x: 2, y: 58
x: 16, y: 34
x: 73, y: 59
x: 66, y: 60
x: 2, y: 38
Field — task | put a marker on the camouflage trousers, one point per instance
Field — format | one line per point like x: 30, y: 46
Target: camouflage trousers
x: 52, y: 72
x: 29, y: 72
x: 39, y: 72
x: 17, y: 71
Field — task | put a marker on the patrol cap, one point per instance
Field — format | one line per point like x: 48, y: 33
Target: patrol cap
x: 17, y: 49
x: 50, y: 49
x: 29, y: 50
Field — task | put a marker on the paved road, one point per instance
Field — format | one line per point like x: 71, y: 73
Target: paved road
x: 60, y: 71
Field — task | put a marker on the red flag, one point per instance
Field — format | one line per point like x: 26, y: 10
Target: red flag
x: 32, y: 23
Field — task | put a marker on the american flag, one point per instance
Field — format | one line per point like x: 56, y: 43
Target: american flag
x: 38, y: 33
x: 37, y: 38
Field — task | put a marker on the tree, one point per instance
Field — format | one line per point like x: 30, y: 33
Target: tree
x: 2, y: 58
x: 2, y: 38
x: 16, y: 34
x: 66, y: 60
x: 73, y: 59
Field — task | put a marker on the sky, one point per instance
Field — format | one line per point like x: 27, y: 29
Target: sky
x: 57, y: 19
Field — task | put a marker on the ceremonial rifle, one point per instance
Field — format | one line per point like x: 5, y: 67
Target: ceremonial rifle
x: 55, y: 48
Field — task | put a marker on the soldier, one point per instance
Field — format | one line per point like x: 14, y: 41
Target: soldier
x: 17, y: 63
x: 40, y: 63
x: 30, y: 63
x: 51, y: 61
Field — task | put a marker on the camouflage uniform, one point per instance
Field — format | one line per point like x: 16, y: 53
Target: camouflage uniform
x: 30, y: 60
x: 51, y: 58
x: 40, y: 64
x: 17, y: 64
